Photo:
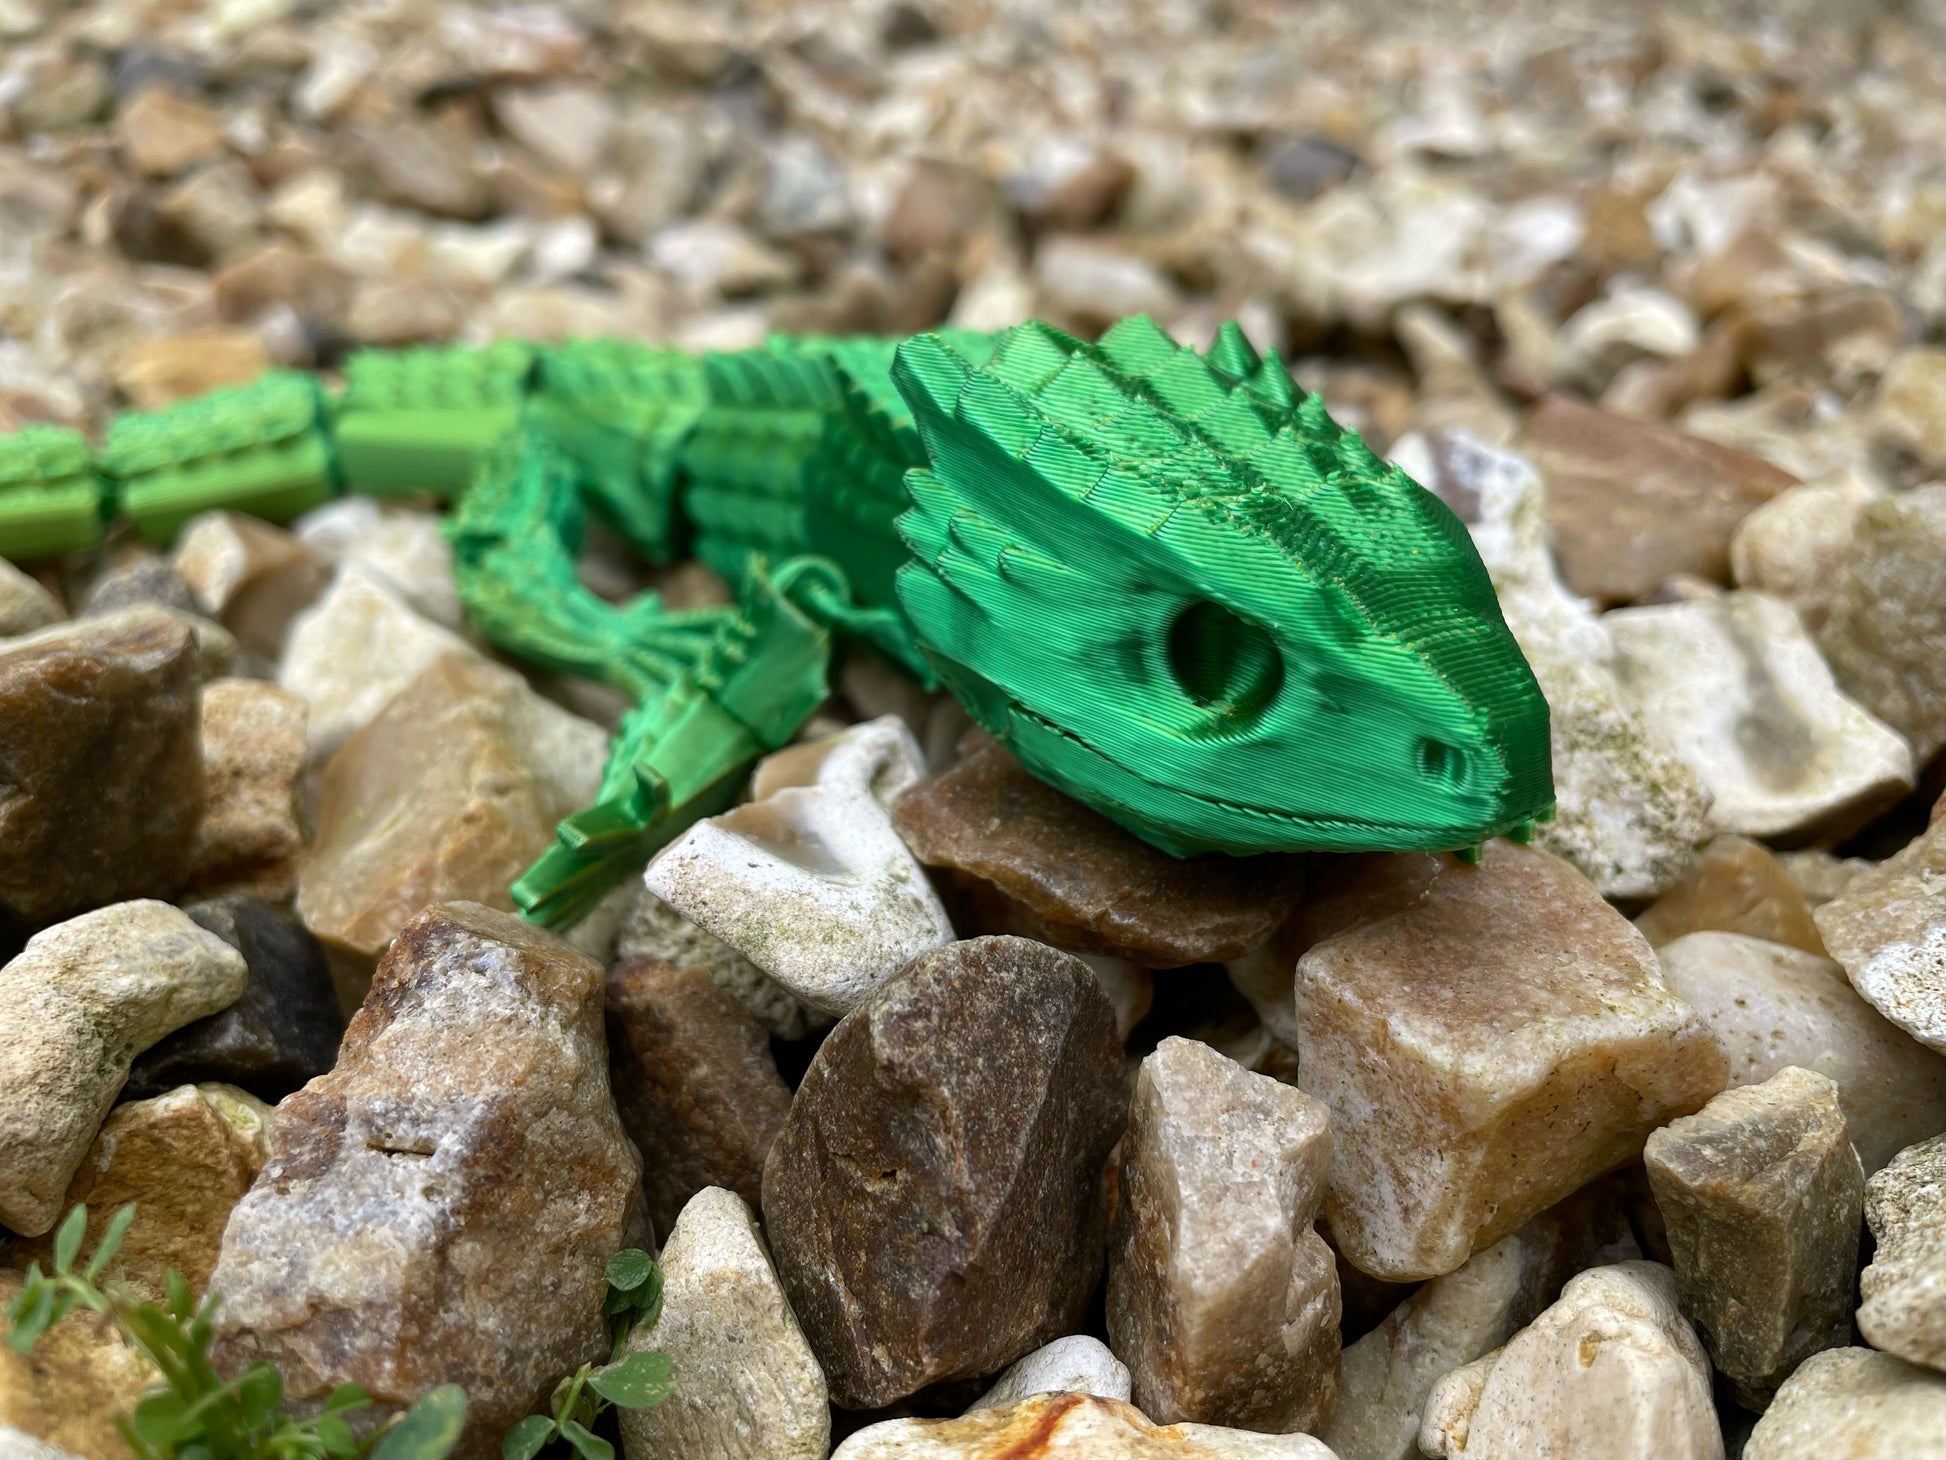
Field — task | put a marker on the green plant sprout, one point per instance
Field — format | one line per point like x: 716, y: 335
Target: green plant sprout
x: 193, y: 1413
x: 637, y: 1381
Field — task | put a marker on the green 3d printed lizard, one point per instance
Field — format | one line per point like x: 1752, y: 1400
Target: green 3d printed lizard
x: 1167, y: 580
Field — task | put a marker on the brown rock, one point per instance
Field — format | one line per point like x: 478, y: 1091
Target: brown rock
x: 1735, y: 886
x: 933, y: 1201
x: 1632, y: 503
x: 449, y: 793
x: 698, y: 1091
x: 81, y: 1375
x: 439, y: 1207
x: 314, y: 288
x: 937, y: 210
x: 100, y: 731
x: 1761, y: 1192
x: 422, y: 165
x: 1504, y: 1040
x: 253, y: 752
x: 163, y: 132
x: 1094, y: 887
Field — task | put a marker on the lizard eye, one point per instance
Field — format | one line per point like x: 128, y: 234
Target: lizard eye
x: 1443, y: 762
x: 1223, y: 661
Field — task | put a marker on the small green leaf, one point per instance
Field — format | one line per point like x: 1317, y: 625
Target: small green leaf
x: 618, y: 1301
x: 32, y: 1313
x: 638, y: 1382
x: 159, y: 1420
x: 182, y: 1301
x: 67, y: 1239
x: 258, y: 1393
x: 591, y: 1445
x: 629, y: 1269
x: 524, y: 1440
x: 334, y: 1436
x: 428, y: 1430
x: 111, y: 1241
x: 345, y: 1398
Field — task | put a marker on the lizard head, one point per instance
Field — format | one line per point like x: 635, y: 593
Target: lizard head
x: 1182, y: 593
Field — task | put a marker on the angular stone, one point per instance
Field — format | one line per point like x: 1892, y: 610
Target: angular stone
x: 1886, y: 634
x: 185, y: 1159
x: 1770, y: 1006
x: 138, y: 580
x: 253, y: 578
x: 450, y: 793
x: 81, y: 1001
x: 25, y: 605
x: 404, y: 548
x: 1093, y: 887
x: 1904, y: 1289
x: 934, y: 1200
x: 652, y: 929
x: 751, y: 1389
x: 1451, y: 1321
x: 1854, y: 1403
x: 811, y: 883
x: 80, y: 1377
x: 1502, y: 1042
x: 1736, y: 687
x: 1888, y: 929
x: 1760, y: 1194
x: 1796, y: 546
x: 1079, y: 1425
x: 100, y: 732
x: 695, y: 1083
x: 163, y: 131
x: 19, y: 1445
x: 1075, y: 1365
x: 283, y: 1031
x: 1612, y: 1370
x: 158, y: 372
x: 1909, y: 409
x: 353, y: 650
x: 1823, y: 875
x: 1629, y: 813
x: 439, y: 1207
x: 1735, y: 886
x: 1632, y: 503
x: 1221, y: 1299
x: 248, y: 837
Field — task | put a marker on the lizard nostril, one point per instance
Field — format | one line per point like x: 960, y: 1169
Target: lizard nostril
x: 1443, y: 762
x: 1224, y: 661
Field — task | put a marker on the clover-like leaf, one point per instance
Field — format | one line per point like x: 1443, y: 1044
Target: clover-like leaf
x: 345, y: 1398
x: 258, y: 1393
x: 333, y: 1435
x: 525, y: 1440
x: 428, y: 1430
x: 629, y: 1269
x: 160, y: 1419
x: 639, y: 1381
x: 591, y: 1445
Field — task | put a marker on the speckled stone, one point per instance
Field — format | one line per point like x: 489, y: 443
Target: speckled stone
x: 1074, y: 1365
x: 653, y: 929
x: 1904, y: 1288
x: 1855, y: 1403
x: 1059, y: 1425
x: 248, y: 837
x: 1888, y: 930
x: 68, y: 1394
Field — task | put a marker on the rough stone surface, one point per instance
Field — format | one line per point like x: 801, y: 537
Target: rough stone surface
x: 1904, y: 1289
x: 1076, y: 1365
x: 253, y: 752
x: 1760, y: 1194
x: 1854, y: 1403
x: 100, y: 732
x: 1796, y: 546
x: 1612, y: 1371
x: 1888, y: 929
x: 1485, y: 1052
x: 653, y: 929
x: 1735, y: 886
x: 19, y: 1445
x: 811, y: 883
x: 1737, y: 688
x: 1087, y: 884
x: 449, y: 793
x: 695, y: 1083
x: 1770, y: 1006
x: 282, y: 1032
x: 934, y: 1200
x: 1886, y: 634
x: 751, y: 1389
x: 81, y: 1001
x: 80, y: 1376
x: 185, y: 1159
x: 25, y: 605
x: 438, y: 1208
x: 253, y: 578
x: 1632, y: 503
x: 1221, y: 1299
x: 1052, y: 1425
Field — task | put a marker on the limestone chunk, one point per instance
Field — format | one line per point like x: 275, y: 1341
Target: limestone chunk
x: 1735, y: 886
x: 1904, y: 1289
x: 1736, y: 687
x: 653, y: 929
x: 248, y: 837
x: 1795, y: 546
x: 440, y: 1206
x: 1221, y: 1299
x: 1050, y: 1426
x: 750, y: 1388
x: 1076, y: 1365
x: 811, y: 883
x: 249, y: 576
x: 1854, y: 1403
x: 80, y: 1376
x: 1501, y: 1042
x: 1771, y: 1006
x: 1888, y: 929
x: 1611, y: 1372
x: 401, y: 546
x: 76, y: 1006
x: 1760, y: 1194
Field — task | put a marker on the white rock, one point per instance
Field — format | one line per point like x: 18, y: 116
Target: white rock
x: 1059, y: 1426
x: 408, y: 549
x: 356, y: 648
x: 1904, y: 1288
x: 81, y: 1000
x: 1794, y: 545
x: 1611, y: 1372
x: 811, y: 883
x: 750, y: 1388
x: 1100, y: 281
x: 1736, y: 687
x: 19, y: 1445
x: 653, y: 929
x: 1771, y: 1006
x: 24, y: 604
x: 1630, y: 322
x: 1854, y: 1404
x: 1888, y: 929
x: 1076, y: 1365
